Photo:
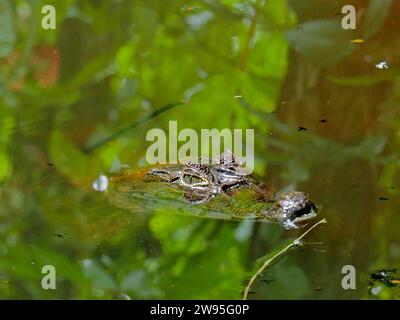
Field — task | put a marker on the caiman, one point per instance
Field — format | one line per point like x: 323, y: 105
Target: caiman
x: 221, y: 190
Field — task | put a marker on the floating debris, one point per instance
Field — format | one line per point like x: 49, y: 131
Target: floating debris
x: 238, y: 96
x: 318, y: 289
x: 388, y: 277
x: 60, y: 235
x: 268, y: 281
x: 101, y: 183
x: 50, y: 164
x: 357, y: 41
x: 382, y: 65
x: 323, y: 121
x: 190, y: 9
x: 301, y: 128
x: 383, y: 198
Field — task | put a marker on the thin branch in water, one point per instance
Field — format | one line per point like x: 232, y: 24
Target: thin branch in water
x: 132, y: 126
x: 295, y: 243
x: 310, y: 244
x: 320, y: 250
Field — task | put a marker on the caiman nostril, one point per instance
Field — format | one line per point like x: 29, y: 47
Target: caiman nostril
x: 314, y: 207
x: 305, y: 210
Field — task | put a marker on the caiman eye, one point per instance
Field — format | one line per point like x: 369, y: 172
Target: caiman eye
x: 190, y: 179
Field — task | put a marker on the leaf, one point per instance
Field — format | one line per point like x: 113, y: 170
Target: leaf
x: 268, y: 57
x: 6, y: 129
x: 323, y: 41
x: 260, y: 261
x: 376, y: 14
x: 214, y: 272
x: 363, y: 80
x: 141, y: 284
x: 7, y: 28
x: 5, y: 166
x: 279, y: 13
x: 81, y: 169
x: 71, y: 162
x: 244, y: 231
x: 291, y: 282
x: 100, y: 278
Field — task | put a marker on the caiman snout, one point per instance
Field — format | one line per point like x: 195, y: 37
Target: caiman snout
x: 293, y: 208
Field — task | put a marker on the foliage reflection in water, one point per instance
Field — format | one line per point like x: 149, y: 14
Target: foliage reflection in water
x: 275, y: 66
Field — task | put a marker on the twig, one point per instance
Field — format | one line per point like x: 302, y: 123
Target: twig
x: 293, y: 244
x: 122, y: 131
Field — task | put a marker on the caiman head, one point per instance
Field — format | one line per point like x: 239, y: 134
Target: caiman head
x: 201, y: 182
x: 292, y: 210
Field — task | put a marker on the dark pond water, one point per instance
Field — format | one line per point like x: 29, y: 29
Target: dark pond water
x: 325, y: 113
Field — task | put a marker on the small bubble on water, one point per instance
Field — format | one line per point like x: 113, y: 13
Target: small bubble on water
x: 376, y: 290
x: 382, y: 65
x: 124, y: 296
x: 101, y: 183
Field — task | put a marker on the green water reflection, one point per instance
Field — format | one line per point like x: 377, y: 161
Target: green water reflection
x: 109, y: 63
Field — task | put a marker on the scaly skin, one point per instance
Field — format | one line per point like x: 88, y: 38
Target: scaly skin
x: 163, y: 187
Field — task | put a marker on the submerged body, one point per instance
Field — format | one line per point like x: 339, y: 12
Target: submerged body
x: 221, y: 191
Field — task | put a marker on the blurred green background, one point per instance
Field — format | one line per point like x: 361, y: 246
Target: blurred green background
x: 109, y: 63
